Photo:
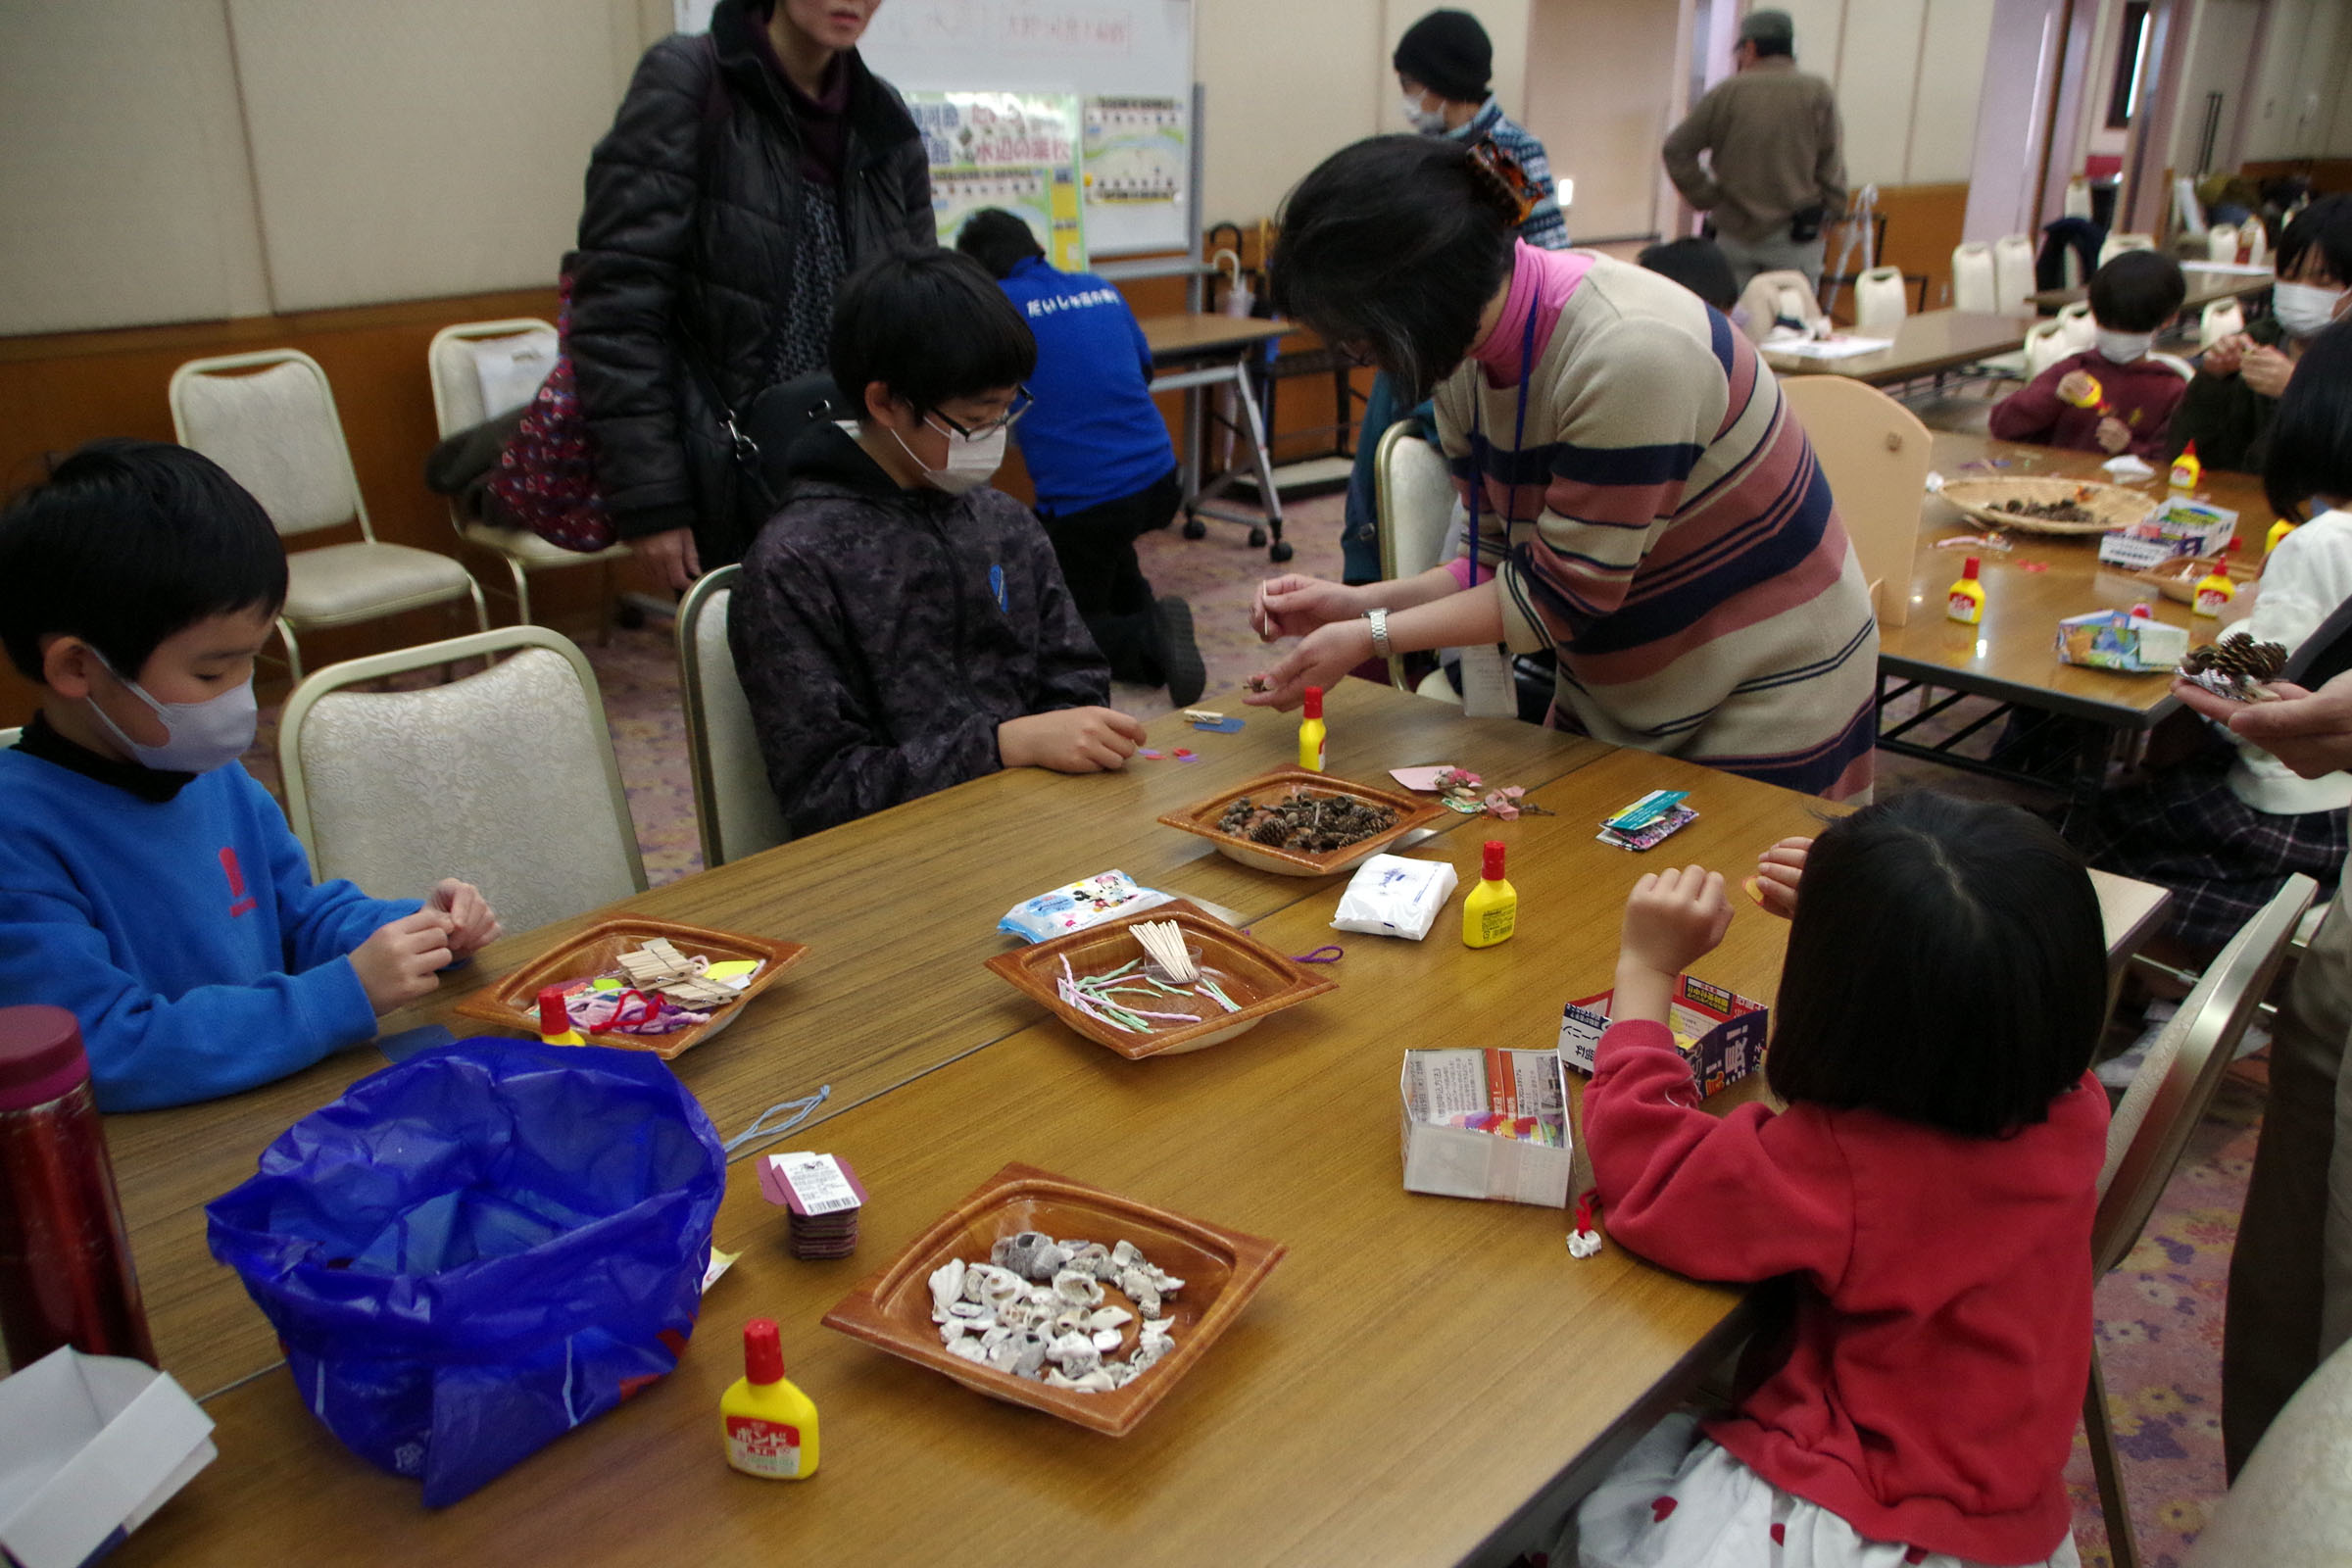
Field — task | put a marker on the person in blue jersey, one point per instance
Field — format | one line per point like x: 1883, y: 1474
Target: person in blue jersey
x: 1443, y: 65
x: 1098, y: 452
x: 147, y: 884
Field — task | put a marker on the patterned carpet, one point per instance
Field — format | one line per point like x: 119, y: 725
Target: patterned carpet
x: 2160, y: 1315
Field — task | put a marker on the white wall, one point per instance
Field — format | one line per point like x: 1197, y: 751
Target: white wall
x: 1601, y: 77
x: 2221, y: 46
x: 2299, y: 83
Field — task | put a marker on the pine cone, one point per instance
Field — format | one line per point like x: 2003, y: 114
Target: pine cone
x: 2236, y: 655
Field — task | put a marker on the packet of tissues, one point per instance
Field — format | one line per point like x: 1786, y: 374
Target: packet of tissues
x: 1391, y: 896
x: 1078, y: 905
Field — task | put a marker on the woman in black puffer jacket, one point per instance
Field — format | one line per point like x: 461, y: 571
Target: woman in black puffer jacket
x: 745, y: 175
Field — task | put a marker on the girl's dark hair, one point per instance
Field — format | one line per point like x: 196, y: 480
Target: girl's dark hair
x: 128, y: 543
x: 2326, y: 227
x: 2311, y: 434
x: 1392, y: 248
x: 998, y: 240
x: 1947, y: 966
x: 2137, y: 291
x: 932, y: 326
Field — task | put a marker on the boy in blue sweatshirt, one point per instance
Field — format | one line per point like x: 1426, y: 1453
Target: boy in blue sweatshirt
x: 147, y: 883
x: 1098, y: 452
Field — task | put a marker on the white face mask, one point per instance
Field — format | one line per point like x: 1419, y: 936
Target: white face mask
x: 198, y: 737
x: 972, y: 460
x: 2122, y: 348
x: 2304, y: 309
x: 1428, y: 122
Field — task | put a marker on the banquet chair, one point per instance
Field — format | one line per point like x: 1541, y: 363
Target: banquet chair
x: 1974, y: 284
x: 1875, y: 453
x: 464, y: 359
x: 2168, y: 1098
x: 2116, y: 244
x: 1880, y: 305
x: 2256, y: 238
x: 735, y: 809
x: 2292, y: 1506
x: 2220, y: 319
x: 505, y: 778
x: 2045, y: 346
x: 269, y: 419
x: 2220, y: 242
x: 2013, y: 271
x: 1413, y: 499
x: 2077, y: 326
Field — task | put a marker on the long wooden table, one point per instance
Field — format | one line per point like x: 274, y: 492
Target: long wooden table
x: 1926, y: 343
x: 899, y: 909
x: 2010, y: 655
x: 1416, y: 1372
x: 2205, y: 286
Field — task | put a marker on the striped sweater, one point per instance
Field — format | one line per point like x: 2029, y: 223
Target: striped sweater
x: 1670, y: 534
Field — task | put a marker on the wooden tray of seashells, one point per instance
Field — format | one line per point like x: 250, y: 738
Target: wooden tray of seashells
x: 2048, y: 505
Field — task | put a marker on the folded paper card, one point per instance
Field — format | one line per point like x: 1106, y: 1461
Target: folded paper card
x: 90, y: 1445
x: 1721, y: 1033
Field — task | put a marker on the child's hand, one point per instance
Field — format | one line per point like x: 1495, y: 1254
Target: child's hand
x: 2225, y: 357
x: 2266, y: 370
x: 1673, y: 919
x: 403, y: 960
x: 1776, y: 872
x: 472, y: 924
x: 2077, y: 387
x: 1291, y: 605
x: 2113, y: 435
x: 1070, y: 740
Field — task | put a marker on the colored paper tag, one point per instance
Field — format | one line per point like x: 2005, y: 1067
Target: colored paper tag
x: 732, y: 969
x: 721, y: 1262
x: 1649, y: 837
x: 1219, y: 726
x: 606, y: 984
x: 1420, y: 778
x: 810, y: 1184
x: 1151, y: 755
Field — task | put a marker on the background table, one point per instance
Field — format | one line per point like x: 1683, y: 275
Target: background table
x: 898, y: 908
x: 2205, y: 286
x: 2010, y: 655
x: 1181, y: 345
x: 1926, y: 343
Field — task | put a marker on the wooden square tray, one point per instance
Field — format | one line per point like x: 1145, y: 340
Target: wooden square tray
x: 513, y: 1003
x: 1221, y: 1269
x: 1413, y: 811
x: 1259, y: 977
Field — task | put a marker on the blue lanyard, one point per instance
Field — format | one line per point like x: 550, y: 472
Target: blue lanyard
x: 1477, y: 438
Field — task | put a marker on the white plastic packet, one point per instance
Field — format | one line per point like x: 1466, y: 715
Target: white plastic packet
x: 1391, y: 896
x: 1078, y: 905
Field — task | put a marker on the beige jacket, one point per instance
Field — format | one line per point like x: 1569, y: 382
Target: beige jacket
x: 1776, y: 147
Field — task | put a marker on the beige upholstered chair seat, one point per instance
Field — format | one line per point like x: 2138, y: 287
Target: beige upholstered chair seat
x: 734, y: 806
x: 531, y: 550
x: 339, y: 584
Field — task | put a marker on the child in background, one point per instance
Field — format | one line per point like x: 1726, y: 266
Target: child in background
x: 1098, y: 452
x: 2225, y: 827
x: 1699, y: 265
x: 2111, y: 397
x: 899, y: 625
x: 1943, y: 988
x: 147, y: 883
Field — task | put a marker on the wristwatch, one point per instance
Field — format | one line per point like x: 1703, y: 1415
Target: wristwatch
x: 1380, y: 633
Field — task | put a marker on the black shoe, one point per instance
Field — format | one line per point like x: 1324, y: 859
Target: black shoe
x: 1179, y: 655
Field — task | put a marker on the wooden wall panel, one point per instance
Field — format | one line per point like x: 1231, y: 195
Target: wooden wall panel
x: 1923, y: 224
x: 2327, y: 174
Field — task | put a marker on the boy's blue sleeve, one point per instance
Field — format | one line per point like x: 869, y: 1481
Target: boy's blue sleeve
x: 1143, y: 346
x: 147, y: 1051
x: 321, y: 920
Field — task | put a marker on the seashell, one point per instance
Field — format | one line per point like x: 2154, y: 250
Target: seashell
x: 1054, y: 1379
x: 1106, y: 1341
x: 1102, y: 1269
x: 951, y: 1330
x: 1166, y: 1283
x: 1148, y: 1349
x: 1109, y: 1317
x: 946, y: 1285
x: 1098, y: 1381
x: 969, y: 1310
x: 1022, y: 1315
x: 1047, y: 1261
x: 969, y: 1349
x: 1125, y: 1253
x: 1083, y: 1253
x: 1075, y: 1354
x: 1079, y: 1290
x: 995, y: 1286
x: 1001, y: 1354
x: 1029, y: 1354
x: 1070, y: 1320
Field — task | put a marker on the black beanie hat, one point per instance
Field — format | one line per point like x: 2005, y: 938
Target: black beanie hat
x: 1447, y: 52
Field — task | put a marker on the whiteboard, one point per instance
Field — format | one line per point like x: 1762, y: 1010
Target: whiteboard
x: 1137, y: 54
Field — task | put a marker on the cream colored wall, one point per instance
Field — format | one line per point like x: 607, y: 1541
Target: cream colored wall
x: 1599, y: 76
x: 2299, y: 83
x: 2221, y: 46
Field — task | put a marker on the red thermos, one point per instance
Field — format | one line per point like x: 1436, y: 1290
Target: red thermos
x: 65, y: 1262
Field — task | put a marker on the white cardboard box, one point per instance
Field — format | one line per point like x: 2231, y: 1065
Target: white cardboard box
x: 1464, y: 1162
x: 2178, y: 526
x: 90, y: 1445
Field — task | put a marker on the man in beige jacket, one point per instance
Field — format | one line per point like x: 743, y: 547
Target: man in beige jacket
x: 1775, y: 166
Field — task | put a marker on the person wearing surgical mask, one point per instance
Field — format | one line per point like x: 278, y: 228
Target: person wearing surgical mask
x: 2113, y: 397
x: 2235, y: 397
x: 1443, y: 63
x: 155, y: 890
x: 901, y: 625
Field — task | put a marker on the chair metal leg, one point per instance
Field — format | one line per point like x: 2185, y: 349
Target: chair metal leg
x: 2122, y: 1550
x: 285, y: 634
x: 481, y: 610
x: 522, y: 590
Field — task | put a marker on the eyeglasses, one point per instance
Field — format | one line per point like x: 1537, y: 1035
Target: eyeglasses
x: 1021, y: 402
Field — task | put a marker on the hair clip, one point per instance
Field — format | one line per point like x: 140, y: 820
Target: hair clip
x: 1517, y: 194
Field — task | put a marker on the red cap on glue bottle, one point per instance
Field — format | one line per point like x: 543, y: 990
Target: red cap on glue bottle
x: 1968, y: 572
x: 554, y: 1017
x: 1493, y: 871
x: 1315, y: 703
x: 763, y: 1351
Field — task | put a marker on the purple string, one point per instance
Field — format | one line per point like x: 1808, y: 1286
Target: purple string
x: 1325, y: 954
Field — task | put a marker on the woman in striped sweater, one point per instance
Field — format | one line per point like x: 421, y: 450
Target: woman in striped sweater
x: 1644, y: 503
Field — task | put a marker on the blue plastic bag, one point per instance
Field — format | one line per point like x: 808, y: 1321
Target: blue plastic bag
x: 472, y: 1252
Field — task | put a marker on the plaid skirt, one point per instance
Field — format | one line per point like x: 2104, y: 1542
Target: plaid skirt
x: 2186, y: 830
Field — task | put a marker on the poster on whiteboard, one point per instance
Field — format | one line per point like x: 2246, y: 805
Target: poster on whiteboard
x: 1020, y: 151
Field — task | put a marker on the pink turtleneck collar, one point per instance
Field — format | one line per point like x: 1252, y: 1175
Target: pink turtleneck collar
x: 1541, y: 282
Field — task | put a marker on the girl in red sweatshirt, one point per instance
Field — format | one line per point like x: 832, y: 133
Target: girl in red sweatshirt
x: 1929, y: 1188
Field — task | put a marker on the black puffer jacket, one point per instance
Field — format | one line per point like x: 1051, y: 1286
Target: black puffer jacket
x: 883, y: 635
x: 686, y: 254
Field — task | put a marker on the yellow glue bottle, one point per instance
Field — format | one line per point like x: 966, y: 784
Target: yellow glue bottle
x: 2186, y: 469
x: 1965, y: 602
x: 1491, y: 909
x: 1311, y: 738
x: 2216, y: 589
x: 768, y: 1425
x: 555, y: 1020
x: 2278, y: 531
